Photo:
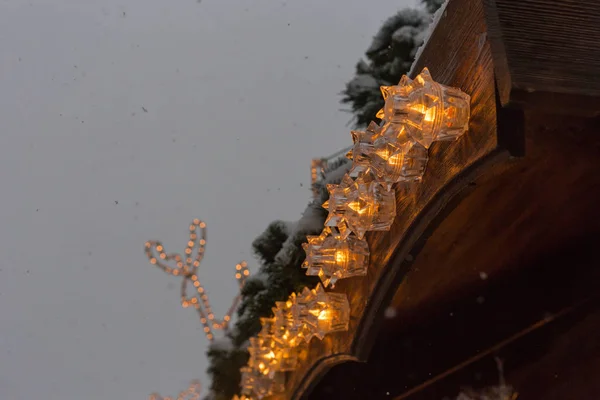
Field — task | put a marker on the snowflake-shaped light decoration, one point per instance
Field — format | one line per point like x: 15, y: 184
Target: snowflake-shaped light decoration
x: 331, y: 256
x: 187, y: 268
x: 191, y: 393
x: 430, y: 111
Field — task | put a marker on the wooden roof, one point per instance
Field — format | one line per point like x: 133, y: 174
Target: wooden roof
x: 523, y: 181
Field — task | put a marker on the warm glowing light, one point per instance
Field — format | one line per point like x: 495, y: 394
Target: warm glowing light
x: 431, y: 111
x: 331, y: 256
x: 363, y: 204
x: 259, y: 386
x: 385, y: 151
x: 188, y: 271
x: 268, y: 354
x: 341, y: 256
x: 312, y: 313
x: 324, y: 312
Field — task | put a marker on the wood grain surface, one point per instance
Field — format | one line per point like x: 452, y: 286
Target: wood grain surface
x: 547, y: 53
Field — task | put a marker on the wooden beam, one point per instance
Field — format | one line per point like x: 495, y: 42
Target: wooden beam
x: 546, y: 54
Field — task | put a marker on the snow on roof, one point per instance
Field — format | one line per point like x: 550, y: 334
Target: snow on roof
x: 427, y: 33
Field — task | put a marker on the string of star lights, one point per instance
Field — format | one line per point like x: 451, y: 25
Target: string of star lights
x: 191, y: 393
x: 187, y: 268
x: 416, y: 113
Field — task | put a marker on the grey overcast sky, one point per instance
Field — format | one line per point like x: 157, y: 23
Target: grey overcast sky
x: 240, y: 95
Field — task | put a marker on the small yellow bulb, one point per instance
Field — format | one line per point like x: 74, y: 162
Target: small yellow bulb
x: 324, y: 315
x: 430, y: 114
x: 341, y: 256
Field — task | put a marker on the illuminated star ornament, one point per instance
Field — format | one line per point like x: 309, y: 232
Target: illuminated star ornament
x: 332, y: 256
x: 186, y: 267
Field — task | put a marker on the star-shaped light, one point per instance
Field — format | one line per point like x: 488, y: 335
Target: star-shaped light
x: 371, y: 205
x: 362, y: 204
x: 383, y: 150
x: 324, y: 312
x: 288, y: 329
x: 241, y: 397
x: 431, y: 111
x: 269, y: 355
x: 331, y: 257
x: 259, y: 386
x: 338, y: 199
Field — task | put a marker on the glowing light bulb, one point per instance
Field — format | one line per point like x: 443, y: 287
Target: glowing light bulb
x: 431, y: 111
x: 371, y: 206
x: 331, y: 256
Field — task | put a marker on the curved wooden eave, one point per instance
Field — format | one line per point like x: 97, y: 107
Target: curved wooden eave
x: 464, y: 62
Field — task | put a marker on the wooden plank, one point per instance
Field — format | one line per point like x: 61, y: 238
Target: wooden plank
x: 464, y: 62
x: 547, y: 53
